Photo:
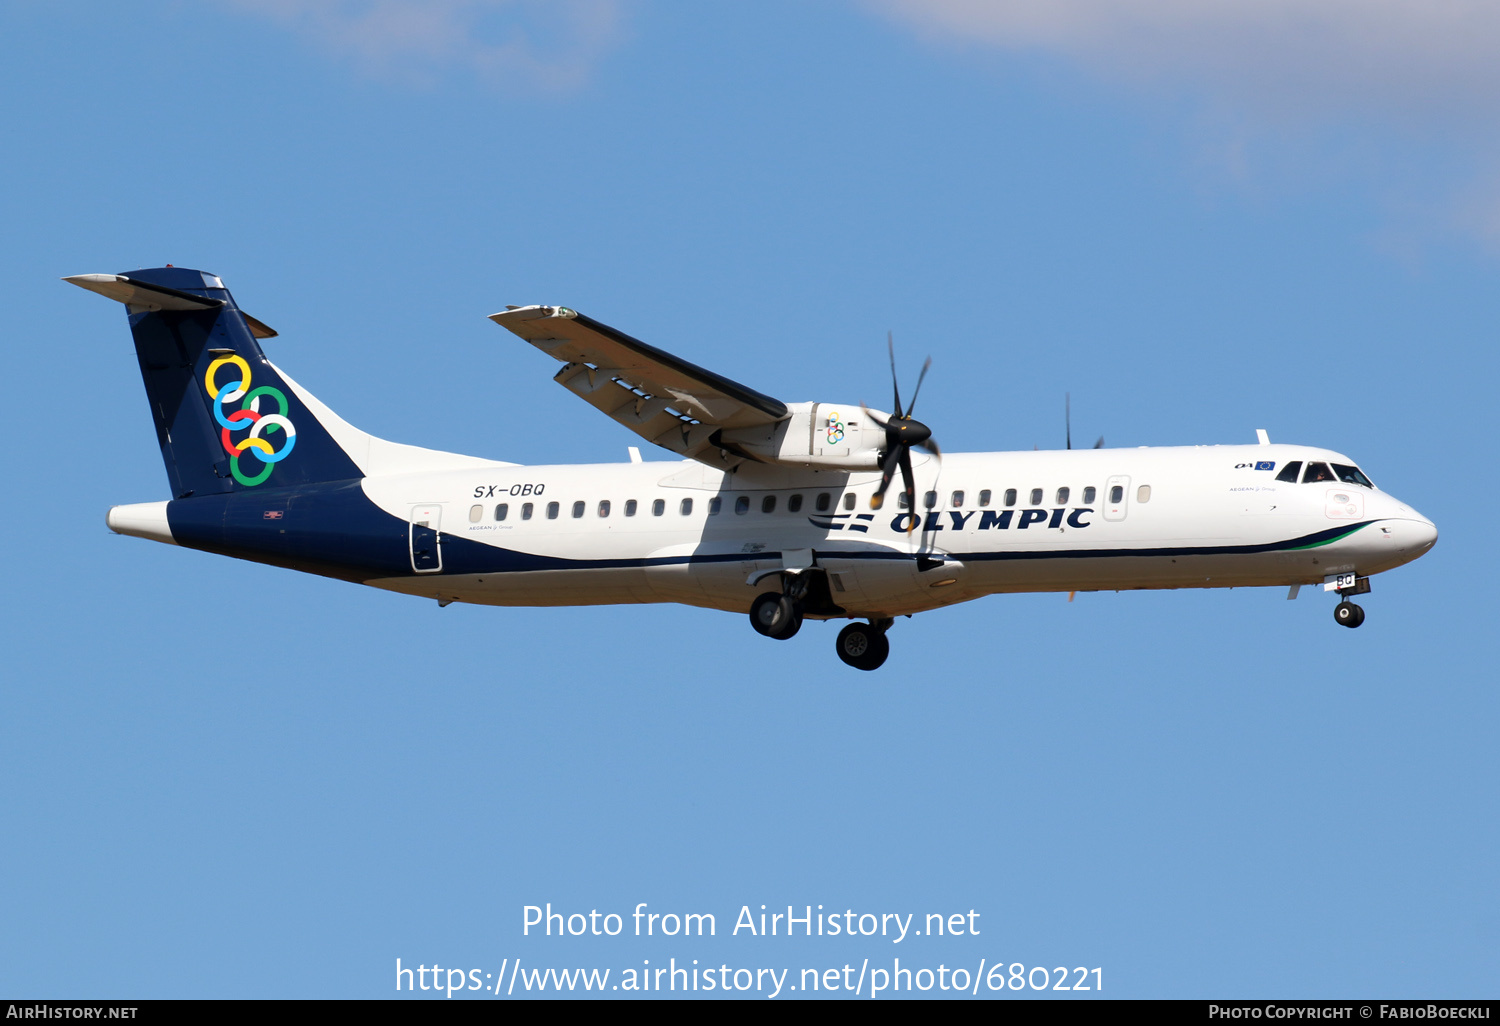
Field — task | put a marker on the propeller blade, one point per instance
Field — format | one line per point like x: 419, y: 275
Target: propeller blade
x: 920, y: 378
x: 932, y: 447
x: 1068, y: 416
x: 911, y: 488
x: 870, y: 416
x: 887, y: 471
x: 1099, y: 444
x: 890, y: 344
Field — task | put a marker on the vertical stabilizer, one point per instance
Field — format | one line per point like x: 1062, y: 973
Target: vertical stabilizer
x: 225, y: 418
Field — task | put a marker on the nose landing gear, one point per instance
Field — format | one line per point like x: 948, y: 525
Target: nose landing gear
x: 1348, y: 614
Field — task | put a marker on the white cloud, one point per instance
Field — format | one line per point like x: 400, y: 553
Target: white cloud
x: 548, y: 43
x: 1370, y: 91
x: 1417, y: 61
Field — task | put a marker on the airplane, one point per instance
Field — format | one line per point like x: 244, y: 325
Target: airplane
x: 772, y: 509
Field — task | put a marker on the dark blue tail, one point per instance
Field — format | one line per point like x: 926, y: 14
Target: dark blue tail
x: 226, y: 420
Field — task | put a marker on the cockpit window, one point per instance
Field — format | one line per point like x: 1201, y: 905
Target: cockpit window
x: 1351, y: 475
x: 1317, y: 472
x: 1290, y: 471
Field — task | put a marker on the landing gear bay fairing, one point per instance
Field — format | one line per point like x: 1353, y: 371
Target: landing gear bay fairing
x: 779, y: 510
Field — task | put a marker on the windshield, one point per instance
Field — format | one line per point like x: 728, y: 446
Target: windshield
x: 1351, y: 475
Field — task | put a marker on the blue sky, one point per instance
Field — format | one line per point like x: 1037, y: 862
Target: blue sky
x: 223, y: 779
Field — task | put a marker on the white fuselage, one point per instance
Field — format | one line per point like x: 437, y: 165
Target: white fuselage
x: 1183, y: 517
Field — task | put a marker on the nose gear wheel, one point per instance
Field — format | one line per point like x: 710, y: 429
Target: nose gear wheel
x: 1347, y: 614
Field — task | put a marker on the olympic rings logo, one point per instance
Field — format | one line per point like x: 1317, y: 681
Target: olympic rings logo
x: 835, y: 428
x: 249, y: 416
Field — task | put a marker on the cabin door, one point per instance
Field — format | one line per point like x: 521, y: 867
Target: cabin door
x: 426, y: 545
x: 1116, y: 498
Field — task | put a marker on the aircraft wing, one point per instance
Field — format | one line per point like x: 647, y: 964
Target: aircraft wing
x: 664, y: 399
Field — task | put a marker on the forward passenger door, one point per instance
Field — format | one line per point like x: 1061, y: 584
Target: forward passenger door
x: 1116, y: 498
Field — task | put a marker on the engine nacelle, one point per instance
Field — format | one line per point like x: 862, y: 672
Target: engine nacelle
x: 818, y: 436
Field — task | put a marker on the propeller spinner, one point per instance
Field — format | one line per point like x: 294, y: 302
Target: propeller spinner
x: 901, y: 433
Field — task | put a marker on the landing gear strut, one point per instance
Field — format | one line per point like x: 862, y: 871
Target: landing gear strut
x: 1346, y: 613
x: 864, y: 645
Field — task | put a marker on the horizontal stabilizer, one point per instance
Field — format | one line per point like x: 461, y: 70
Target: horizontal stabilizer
x: 133, y: 292
x: 138, y: 293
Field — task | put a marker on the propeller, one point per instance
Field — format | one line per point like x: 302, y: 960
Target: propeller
x: 1068, y: 421
x: 901, y: 433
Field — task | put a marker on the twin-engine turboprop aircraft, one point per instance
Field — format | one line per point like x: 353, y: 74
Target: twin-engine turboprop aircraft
x: 776, y: 509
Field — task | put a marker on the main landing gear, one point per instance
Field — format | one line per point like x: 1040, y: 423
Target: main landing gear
x: 776, y: 616
x: 864, y: 645
x: 860, y: 645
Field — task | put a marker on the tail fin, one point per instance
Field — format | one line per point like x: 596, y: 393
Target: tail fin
x: 226, y: 419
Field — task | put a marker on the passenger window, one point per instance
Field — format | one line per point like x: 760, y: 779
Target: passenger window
x: 552, y: 509
x: 715, y: 505
x: 1290, y: 471
x: 1317, y: 472
x: 768, y: 504
x: 984, y: 497
x: 1117, y: 494
x: 957, y: 499
x: 849, y: 500
x: 929, y: 500
x: 502, y: 510
x: 526, y: 509
x: 824, y: 501
x: 1143, y: 493
x: 1088, y: 495
x: 604, y: 507
x: 1010, y: 496
x: 1351, y: 475
x: 578, y: 509
x: 1062, y: 496
x: 1036, y: 496
x: 630, y: 507
x: 476, y: 514
x: 687, y: 507
x: 658, y: 507
x: 794, y: 504
x: 902, y: 502
x: 742, y: 504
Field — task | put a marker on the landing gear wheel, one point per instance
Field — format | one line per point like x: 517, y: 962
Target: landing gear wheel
x: 863, y: 646
x: 1348, y: 614
x: 775, y: 616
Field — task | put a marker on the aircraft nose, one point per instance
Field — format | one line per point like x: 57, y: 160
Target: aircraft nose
x: 1425, y: 534
x: 1414, y: 534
